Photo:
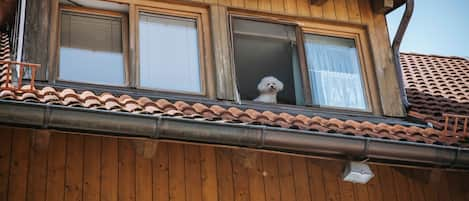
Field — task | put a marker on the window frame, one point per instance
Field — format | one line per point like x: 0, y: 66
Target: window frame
x: 130, y: 26
x: 200, y: 16
x: 300, y: 50
x: 320, y: 27
x: 356, y: 38
x: 94, y: 12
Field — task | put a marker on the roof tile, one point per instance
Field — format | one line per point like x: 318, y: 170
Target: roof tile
x: 436, y: 85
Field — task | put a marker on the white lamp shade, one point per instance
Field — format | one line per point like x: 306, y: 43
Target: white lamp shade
x: 357, y: 172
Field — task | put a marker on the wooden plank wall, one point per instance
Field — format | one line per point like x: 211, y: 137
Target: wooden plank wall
x: 341, y: 10
x: 89, y: 168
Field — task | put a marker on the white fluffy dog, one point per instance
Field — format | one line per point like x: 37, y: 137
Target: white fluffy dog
x: 269, y: 87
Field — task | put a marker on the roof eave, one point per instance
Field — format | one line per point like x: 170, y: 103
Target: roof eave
x: 397, y: 4
x: 39, y: 115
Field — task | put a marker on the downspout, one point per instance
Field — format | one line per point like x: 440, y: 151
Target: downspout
x: 396, y: 44
x: 19, y: 54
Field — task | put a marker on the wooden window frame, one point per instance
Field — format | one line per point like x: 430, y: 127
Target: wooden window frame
x: 201, y: 18
x: 94, y: 12
x: 313, y: 26
x: 130, y: 45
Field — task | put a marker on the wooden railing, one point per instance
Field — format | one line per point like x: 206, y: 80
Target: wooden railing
x: 21, y: 65
x: 455, y: 125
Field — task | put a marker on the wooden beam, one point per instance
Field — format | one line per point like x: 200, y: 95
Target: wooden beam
x: 382, y: 6
x: 246, y: 158
x: 220, y: 42
x: 36, y: 34
x: 317, y: 2
x: 435, y: 176
x: 7, y: 11
x: 146, y: 148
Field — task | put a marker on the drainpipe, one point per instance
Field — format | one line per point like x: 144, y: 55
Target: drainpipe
x: 19, y: 51
x: 396, y: 44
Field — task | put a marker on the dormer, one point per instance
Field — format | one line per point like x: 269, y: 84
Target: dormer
x: 331, y: 56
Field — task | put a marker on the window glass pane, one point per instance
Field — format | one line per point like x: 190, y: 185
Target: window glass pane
x: 263, y: 49
x: 334, y: 70
x: 169, y: 54
x: 91, y: 49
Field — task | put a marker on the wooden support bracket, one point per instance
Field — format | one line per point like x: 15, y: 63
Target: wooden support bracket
x: 146, y: 148
x: 317, y: 2
x: 41, y: 139
x: 246, y: 158
x: 435, y: 176
x: 382, y: 6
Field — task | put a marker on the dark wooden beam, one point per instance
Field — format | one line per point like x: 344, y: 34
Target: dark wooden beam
x: 7, y: 10
x: 317, y: 2
x: 382, y: 6
x: 36, y: 35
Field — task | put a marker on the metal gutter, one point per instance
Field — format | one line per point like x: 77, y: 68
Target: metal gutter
x: 396, y: 44
x: 38, y: 115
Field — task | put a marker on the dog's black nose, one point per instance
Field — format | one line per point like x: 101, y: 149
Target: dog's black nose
x: 272, y: 86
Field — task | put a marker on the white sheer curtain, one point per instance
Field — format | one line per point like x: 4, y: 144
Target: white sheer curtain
x: 169, y: 55
x: 334, y: 71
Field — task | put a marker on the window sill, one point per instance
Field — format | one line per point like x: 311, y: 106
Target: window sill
x: 124, y: 90
x: 261, y: 107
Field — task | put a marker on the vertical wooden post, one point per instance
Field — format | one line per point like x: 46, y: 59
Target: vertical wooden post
x: 20, y: 76
x: 445, y: 130
x: 220, y: 42
x: 465, y: 127
x: 455, y: 125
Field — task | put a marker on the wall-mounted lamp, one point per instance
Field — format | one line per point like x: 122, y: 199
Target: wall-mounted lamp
x: 357, y: 172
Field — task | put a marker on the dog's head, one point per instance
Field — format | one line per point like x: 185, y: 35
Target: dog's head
x: 270, y: 84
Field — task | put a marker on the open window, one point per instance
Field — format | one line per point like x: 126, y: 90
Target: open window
x: 316, y: 68
x: 264, y: 49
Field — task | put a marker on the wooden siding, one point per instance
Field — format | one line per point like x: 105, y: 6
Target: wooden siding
x: 78, y: 167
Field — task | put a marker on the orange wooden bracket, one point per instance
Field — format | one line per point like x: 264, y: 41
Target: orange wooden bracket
x: 317, y: 2
x: 22, y: 65
x: 455, y: 127
x: 146, y: 148
x: 41, y: 139
x: 246, y: 158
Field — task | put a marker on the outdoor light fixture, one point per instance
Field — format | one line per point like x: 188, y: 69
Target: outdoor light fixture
x: 357, y: 172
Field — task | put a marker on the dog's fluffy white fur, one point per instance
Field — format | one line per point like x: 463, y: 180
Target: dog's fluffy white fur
x: 269, y: 87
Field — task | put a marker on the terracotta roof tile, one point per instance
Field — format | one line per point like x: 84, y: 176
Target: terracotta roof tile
x: 436, y: 85
x: 426, y: 78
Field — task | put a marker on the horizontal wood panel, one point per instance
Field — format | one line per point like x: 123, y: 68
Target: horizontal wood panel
x: 78, y: 167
